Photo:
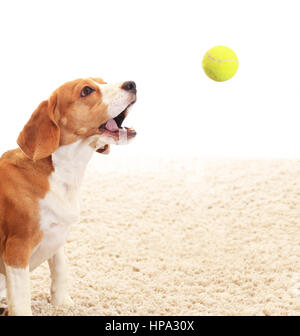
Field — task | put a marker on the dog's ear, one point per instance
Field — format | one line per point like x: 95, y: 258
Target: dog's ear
x: 40, y: 136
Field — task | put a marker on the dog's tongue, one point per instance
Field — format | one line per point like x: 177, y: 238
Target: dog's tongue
x: 111, y: 125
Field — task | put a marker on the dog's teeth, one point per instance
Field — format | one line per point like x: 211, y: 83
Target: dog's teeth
x: 122, y: 137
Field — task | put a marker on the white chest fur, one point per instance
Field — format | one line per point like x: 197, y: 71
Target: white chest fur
x: 61, y: 206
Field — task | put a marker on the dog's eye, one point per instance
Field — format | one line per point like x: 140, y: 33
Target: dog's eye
x: 86, y: 91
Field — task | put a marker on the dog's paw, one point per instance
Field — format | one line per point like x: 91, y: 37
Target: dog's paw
x: 62, y: 301
x: 68, y: 301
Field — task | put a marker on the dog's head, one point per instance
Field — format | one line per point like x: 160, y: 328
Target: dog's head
x: 79, y: 109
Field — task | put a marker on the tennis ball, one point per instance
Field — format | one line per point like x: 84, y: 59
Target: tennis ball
x: 220, y: 63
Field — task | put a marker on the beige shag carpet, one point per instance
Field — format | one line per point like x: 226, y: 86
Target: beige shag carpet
x: 183, y: 237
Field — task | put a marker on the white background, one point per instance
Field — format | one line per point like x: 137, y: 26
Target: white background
x: 160, y: 45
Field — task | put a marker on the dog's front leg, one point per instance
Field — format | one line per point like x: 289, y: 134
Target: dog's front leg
x: 58, y: 270
x: 18, y: 291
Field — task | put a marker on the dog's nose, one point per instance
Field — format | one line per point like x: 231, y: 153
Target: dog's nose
x: 129, y: 86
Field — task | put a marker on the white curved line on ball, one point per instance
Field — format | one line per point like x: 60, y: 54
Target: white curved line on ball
x: 229, y: 60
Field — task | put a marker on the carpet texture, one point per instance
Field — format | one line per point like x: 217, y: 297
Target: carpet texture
x: 183, y: 237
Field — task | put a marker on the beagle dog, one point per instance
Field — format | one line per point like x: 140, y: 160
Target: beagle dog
x: 40, y: 181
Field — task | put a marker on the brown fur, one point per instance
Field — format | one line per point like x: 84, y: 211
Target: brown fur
x: 61, y: 120
x: 40, y: 136
x: 23, y: 182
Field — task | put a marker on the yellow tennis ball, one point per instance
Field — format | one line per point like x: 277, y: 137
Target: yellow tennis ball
x: 220, y: 63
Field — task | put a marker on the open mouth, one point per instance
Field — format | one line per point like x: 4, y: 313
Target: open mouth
x: 113, y: 127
